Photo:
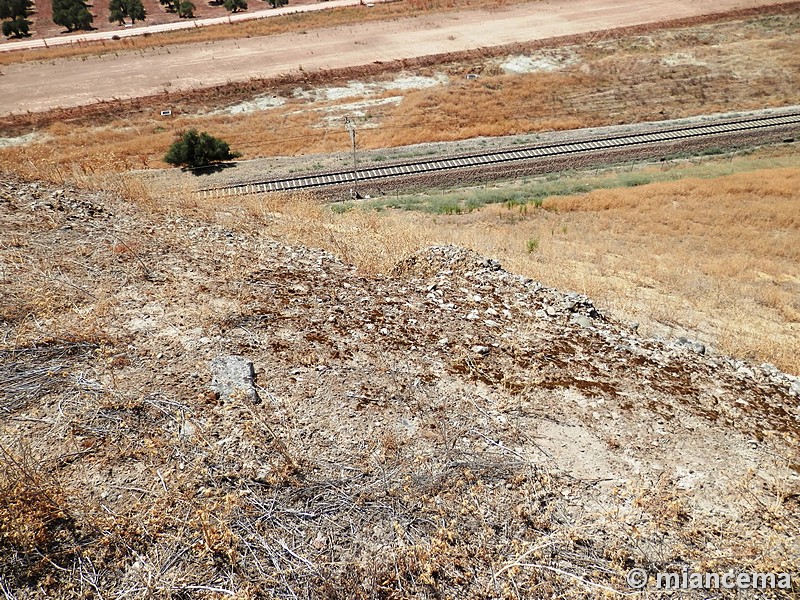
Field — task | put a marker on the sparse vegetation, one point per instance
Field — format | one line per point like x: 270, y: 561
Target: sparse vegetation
x: 245, y: 29
x: 530, y: 192
x: 426, y: 425
x: 610, y: 244
x: 524, y: 103
x: 474, y: 476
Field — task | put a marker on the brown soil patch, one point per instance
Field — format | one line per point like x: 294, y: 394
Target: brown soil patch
x: 715, y: 260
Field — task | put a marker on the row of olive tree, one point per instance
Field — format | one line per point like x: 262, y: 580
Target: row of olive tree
x: 75, y: 14
x: 237, y: 5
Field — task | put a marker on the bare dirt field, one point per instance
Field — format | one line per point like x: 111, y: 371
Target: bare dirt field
x: 37, y: 87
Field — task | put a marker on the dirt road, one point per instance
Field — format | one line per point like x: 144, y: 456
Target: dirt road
x: 75, y: 82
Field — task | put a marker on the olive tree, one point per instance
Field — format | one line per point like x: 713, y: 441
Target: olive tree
x: 198, y: 149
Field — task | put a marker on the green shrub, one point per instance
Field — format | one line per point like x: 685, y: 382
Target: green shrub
x: 445, y: 206
x: 193, y: 149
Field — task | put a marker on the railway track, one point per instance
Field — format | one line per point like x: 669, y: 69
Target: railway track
x: 708, y: 130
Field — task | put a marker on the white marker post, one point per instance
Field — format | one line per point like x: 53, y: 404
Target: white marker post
x: 351, y: 128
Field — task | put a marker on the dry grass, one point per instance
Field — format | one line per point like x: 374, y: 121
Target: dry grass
x: 111, y: 494
x: 743, y: 65
x: 36, y: 528
x: 714, y: 259
x: 123, y: 477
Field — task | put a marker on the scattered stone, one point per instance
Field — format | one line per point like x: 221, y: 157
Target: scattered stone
x: 187, y: 429
x: 696, y: 347
x: 482, y: 350
x: 582, y: 320
x: 263, y: 475
x: 233, y: 376
x: 490, y: 263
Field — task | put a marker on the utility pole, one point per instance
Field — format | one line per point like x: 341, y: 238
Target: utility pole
x: 351, y: 128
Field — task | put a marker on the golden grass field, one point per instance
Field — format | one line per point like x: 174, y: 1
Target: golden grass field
x: 696, y: 70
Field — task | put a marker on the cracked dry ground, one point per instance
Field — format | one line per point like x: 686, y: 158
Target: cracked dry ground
x: 447, y: 430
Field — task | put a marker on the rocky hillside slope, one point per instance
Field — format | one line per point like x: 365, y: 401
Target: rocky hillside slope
x: 448, y: 430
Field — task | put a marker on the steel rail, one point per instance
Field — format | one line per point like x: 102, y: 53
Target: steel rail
x: 504, y: 156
